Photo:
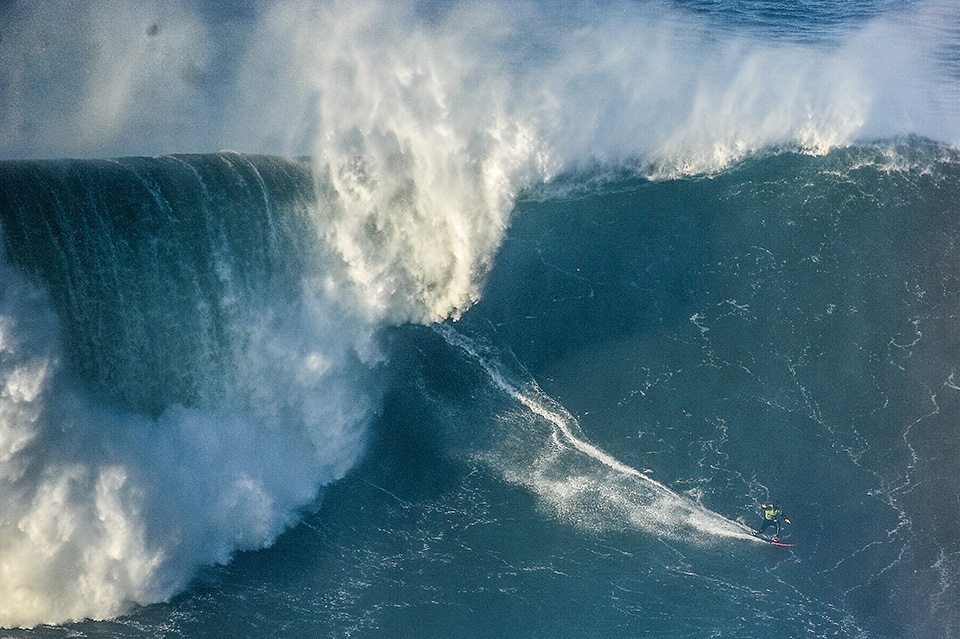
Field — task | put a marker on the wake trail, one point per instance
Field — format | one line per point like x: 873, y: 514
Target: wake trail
x: 666, y: 512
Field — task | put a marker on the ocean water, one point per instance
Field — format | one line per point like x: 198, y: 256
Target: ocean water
x: 479, y: 319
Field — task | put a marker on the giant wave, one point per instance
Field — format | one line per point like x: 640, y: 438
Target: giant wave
x: 192, y: 344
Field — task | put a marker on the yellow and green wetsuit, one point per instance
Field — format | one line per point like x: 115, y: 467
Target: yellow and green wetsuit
x: 771, y: 517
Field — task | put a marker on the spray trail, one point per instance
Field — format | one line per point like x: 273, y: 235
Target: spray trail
x: 590, y: 486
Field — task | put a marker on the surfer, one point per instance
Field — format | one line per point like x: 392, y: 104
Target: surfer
x: 771, y: 517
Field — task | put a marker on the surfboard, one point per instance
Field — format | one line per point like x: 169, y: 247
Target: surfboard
x: 782, y: 544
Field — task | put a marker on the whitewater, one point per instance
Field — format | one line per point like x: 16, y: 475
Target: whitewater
x: 225, y: 229
x: 630, y: 498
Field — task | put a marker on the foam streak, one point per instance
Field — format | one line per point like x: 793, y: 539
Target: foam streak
x: 652, y: 505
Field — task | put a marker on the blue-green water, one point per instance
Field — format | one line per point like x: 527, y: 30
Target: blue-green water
x: 493, y: 336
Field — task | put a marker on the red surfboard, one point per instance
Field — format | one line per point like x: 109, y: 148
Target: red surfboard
x: 780, y: 543
x: 772, y: 542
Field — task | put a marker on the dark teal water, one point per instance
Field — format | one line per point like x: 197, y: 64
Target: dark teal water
x: 780, y: 330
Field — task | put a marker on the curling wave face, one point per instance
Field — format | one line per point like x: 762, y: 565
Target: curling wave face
x: 172, y: 392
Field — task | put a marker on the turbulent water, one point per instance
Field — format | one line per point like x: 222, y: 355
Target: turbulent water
x: 497, y: 320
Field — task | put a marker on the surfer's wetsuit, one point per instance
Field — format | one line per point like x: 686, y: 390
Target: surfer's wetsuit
x: 771, y: 517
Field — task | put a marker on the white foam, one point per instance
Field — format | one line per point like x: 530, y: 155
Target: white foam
x: 418, y: 154
x: 579, y: 481
x: 102, y: 508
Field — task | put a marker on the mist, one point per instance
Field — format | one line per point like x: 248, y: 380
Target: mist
x: 592, y: 82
